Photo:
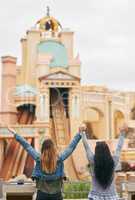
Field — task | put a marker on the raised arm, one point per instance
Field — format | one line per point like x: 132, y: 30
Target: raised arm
x: 31, y: 151
x: 65, y: 154
x: 119, y: 148
x: 89, y: 153
x: 123, y: 132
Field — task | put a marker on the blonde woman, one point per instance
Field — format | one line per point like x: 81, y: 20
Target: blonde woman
x: 49, y: 168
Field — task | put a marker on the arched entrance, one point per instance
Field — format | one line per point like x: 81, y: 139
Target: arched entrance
x: 94, y: 120
x: 119, y: 119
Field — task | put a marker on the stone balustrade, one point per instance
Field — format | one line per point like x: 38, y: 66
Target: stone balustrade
x: 24, y: 130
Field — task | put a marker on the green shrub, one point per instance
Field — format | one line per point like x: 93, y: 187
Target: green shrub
x: 76, y: 190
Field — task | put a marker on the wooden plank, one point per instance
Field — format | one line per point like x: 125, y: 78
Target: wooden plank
x: 22, y: 163
x: 14, y: 173
x: 4, y: 173
x: 22, y: 160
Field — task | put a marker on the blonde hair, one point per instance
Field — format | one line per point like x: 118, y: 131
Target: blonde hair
x: 49, y: 156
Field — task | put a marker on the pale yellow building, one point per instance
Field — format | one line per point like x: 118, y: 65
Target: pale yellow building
x: 44, y: 96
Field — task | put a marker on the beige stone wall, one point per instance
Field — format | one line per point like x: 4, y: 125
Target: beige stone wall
x: 106, y: 111
x: 66, y: 37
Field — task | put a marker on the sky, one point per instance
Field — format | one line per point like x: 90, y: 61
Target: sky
x: 104, y: 35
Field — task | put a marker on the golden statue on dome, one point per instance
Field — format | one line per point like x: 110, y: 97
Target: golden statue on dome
x: 49, y: 23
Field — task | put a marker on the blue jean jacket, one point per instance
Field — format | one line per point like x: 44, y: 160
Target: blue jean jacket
x: 37, y: 171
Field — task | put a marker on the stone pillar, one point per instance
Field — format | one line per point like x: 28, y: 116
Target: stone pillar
x: 8, y: 114
x: 109, y: 118
x: 24, y: 58
x: 43, y: 106
x: 33, y: 39
x: 74, y: 109
x: 24, y: 50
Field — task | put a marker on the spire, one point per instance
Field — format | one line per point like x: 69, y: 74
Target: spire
x: 48, y: 11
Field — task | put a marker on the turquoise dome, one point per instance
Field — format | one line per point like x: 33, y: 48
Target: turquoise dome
x: 57, y: 50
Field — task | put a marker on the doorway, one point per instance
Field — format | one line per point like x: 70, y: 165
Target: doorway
x: 58, y: 95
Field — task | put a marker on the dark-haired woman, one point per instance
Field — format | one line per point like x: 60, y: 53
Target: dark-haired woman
x: 49, y: 168
x: 103, y: 166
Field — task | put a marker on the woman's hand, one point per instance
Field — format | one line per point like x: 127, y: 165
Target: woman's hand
x: 124, y: 128
x: 82, y: 128
x: 11, y: 130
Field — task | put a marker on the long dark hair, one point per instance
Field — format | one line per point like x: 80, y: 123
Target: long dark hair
x: 103, y: 165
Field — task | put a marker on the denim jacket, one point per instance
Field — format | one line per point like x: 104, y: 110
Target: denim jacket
x: 37, y: 173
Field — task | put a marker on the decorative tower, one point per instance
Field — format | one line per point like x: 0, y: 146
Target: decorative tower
x: 56, y: 68
x: 8, y: 114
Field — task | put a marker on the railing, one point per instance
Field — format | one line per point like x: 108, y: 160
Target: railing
x: 71, y: 190
x: 25, y: 131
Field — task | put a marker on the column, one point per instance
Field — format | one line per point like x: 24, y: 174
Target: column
x: 74, y: 109
x: 43, y: 106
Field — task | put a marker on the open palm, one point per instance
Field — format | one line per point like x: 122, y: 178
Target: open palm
x: 11, y: 130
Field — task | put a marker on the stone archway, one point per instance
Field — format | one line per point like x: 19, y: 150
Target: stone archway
x: 94, y: 119
x: 119, y: 119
